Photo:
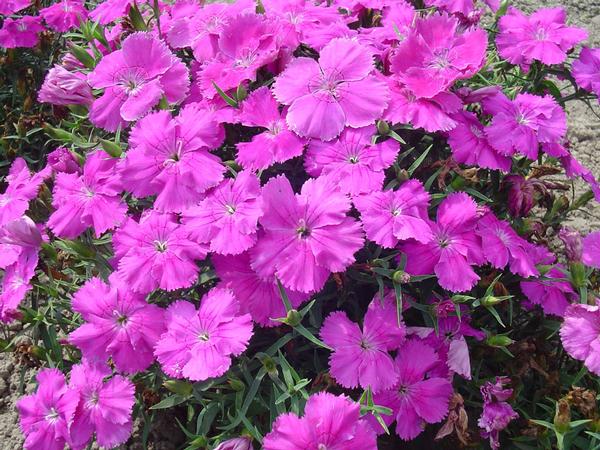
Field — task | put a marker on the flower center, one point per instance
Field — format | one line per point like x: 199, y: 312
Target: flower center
x: 303, y: 231
x: 540, y: 34
x: 353, y: 159
x: 160, y: 246
x: 443, y: 240
x: 246, y: 59
x: 204, y: 336
x: 52, y: 415
x: 364, y: 344
x: 275, y: 127
x: 321, y: 447
x: 440, y: 59
x: 230, y: 209
x: 22, y: 26
x: 93, y: 399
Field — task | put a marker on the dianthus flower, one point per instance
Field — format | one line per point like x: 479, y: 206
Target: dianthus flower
x: 416, y: 398
x: 543, y: 36
x: 20, y: 242
x: 242, y: 443
x: 119, y: 324
x: 392, y: 216
x: 170, y: 158
x: 62, y: 87
x: 553, y: 293
x: 462, y: 7
x: 276, y: 143
x: 328, y: 95
x: 469, y: 144
x: 591, y: 250
x: 8, y: 7
x: 62, y: 160
x: 522, y: 124
x: 21, y: 32
x: 502, y: 246
x: 89, y: 200
x: 45, y: 416
x: 227, y: 219
x: 156, y: 252
x: 497, y: 413
x: 134, y: 80
x: 580, y: 334
x: 199, y: 344
x: 110, y: 10
x: 352, y: 160
x: 307, y: 236
x: 258, y: 296
x: 436, y: 54
x: 64, y: 15
x: 329, y: 422
x: 586, y: 70
x: 453, y: 248
x: 360, y: 357
x: 104, y: 407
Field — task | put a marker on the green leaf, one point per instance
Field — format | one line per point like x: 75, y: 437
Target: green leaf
x: 229, y: 100
x: 415, y: 165
x: 169, y: 402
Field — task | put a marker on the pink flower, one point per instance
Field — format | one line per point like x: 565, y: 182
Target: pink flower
x: 453, y: 248
x: 352, y: 160
x: 470, y: 145
x: 276, y: 144
x: 360, y: 357
x: 586, y: 70
x: 329, y: 422
x: 89, y: 200
x: 553, y: 293
x: 502, y: 246
x: 227, y: 219
x: 21, y: 32
x: 258, y: 296
x: 497, y: 413
x: 307, y: 236
x: 199, y: 344
x: 242, y: 443
x: 580, y: 334
x: 416, y: 399
x: 325, y: 97
x: 392, y: 216
x: 463, y: 7
x: 156, y: 252
x: 118, y: 324
x: 134, y: 80
x: 64, y: 15
x: 436, y: 54
x: 104, y: 408
x: 45, y: 417
x: 170, y: 158
x: 20, y: 242
x: 62, y: 160
x: 110, y: 10
x: 543, y: 36
x: 522, y: 124
x: 23, y: 186
x: 591, y: 250
x: 8, y: 7
x: 62, y: 87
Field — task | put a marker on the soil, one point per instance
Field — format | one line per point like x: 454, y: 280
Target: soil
x: 17, y: 378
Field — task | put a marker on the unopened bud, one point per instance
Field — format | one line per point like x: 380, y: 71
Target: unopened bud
x: 402, y: 175
x: 179, y: 387
x: 498, y: 341
x: 382, y: 127
x: 490, y: 300
x: 400, y: 277
x: 293, y: 318
x: 562, y: 417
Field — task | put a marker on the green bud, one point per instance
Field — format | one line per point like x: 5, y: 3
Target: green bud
x: 490, y: 300
x: 179, y: 387
x: 499, y: 340
x: 578, y: 277
x: 38, y: 352
x: 59, y: 134
x: 241, y: 93
x: 231, y: 163
x: 402, y: 175
x: 236, y: 385
x: 83, y: 56
x: 461, y: 298
x: 112, y: 148
x: 293, y: 318
x: 383, y: 127
x: 400, y: 277
x: 270, y: 365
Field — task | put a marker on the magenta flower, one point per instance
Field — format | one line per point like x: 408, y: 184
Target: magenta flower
x: 307, y: 236
x: 8, y: 7
x: 573, y: 245
x: 329, y: 422
x: 170, y: 158
x: 591, y: 250
x: 156, y: 252
x: 134, y: 80
x: 276, y: 144
x: 553, y: 293
x: 469, y: 144
x: 242, y: 443
x: 199, y: 344
x: 89, y: 200
x: 104, y: 408
x: 62, y: 160
x: 118, y: 324
x: 436, y: 54
x: 20, y: 242
x: 23, y: 186
x: 392, y: 216
x: 227, y: 219
x: 586, y: 70
x: 110, y: 10
x: 453, y: 248
x: 45, y: 417
x: 416, y: 399
x: 258, y: 296
x: 497, y: 413
x: 462, y: 7
x: 62, y: 87
x: 64, y: 15
x: 352, y: 160
x: 502, y: 246
x: 360, y: 357
x: 21, y: 32
x: 543, y: 36
x: 325, y: 97
x: 522, y: 124
x: 580, y: 334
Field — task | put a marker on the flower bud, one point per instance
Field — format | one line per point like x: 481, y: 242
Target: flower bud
x: 62, y: 87
x: 382, y: 127
x: 562, y: 417
x: 293, y: 318
x: 400, y: 277
x: 498, y: 341
x: 402, y: 175
x: 62, y: 160
x: 241, y: 443
x: 178, y: 387
x: 236, y: 385
x: 490, y: 300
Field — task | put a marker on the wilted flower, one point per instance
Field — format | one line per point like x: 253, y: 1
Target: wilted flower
x: 521, y: 194
x: 62, y: 87
x: 497, y: 414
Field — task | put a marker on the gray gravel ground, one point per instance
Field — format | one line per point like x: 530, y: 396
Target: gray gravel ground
x: 584, y: 134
